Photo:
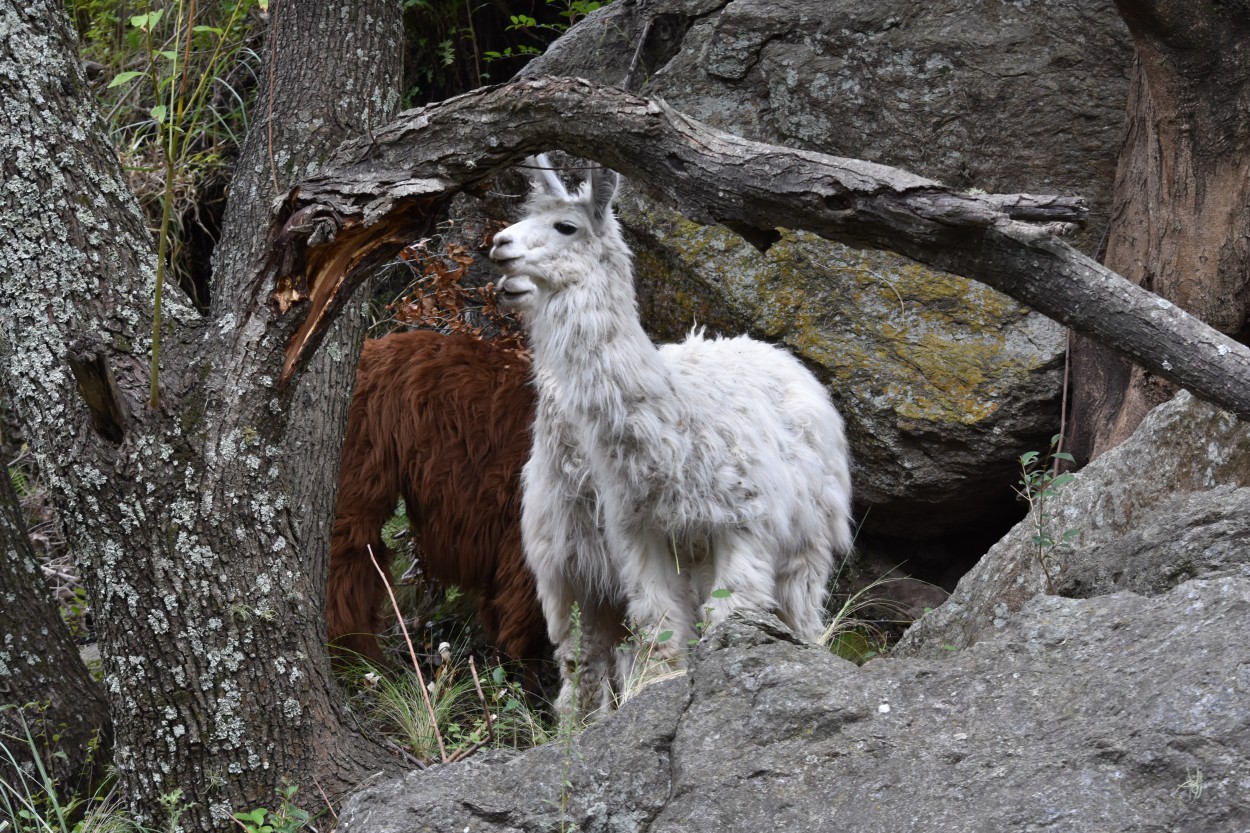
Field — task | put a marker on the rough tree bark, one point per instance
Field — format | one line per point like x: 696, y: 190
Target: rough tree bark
x: 202, y: 526
x: 1181, y: 217
x: 372, y: 193
x: 40, y: 665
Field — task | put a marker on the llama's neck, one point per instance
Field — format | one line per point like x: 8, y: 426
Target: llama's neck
x: 594, y: 360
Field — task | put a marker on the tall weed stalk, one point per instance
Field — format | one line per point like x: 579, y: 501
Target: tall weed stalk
x: 185, y: 66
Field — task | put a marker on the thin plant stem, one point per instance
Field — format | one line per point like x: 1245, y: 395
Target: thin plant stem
x: 273, y: 60
x: 186, y: 58
x: 1063, y: 403
x: 477, y: 683
x: 154, y: 395
x: 412, y: 652
x: 326, y: 799
x: 477, y: 63
x: 166, y: 124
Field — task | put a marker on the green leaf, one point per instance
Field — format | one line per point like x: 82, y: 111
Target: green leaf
x: 256, y: 816
x: 497, y: 675
x: 212, y: 29
x: 147, y: 21
x: 169, y: 55
x: 1028, y: 458
x: 122, y: 77
x: 1063, y: 455
x: 664, y: 636
x: 1062, y: 479
x: 158, y: 112
x: 722, y: 593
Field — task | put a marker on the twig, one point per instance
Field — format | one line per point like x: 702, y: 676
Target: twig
x: 52, y: 572
x: 325, y: 798
x: 465, y: 751
x: 628, y: 82
x: 490, y: 724
x: 902, y: 306
x: 404, y: 753
x: 416, y: 666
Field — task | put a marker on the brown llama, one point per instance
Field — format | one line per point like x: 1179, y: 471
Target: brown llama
x: 443, y: 421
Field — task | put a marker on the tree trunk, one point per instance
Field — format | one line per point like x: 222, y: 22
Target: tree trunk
x: 1180, y: 222
x: 41, y: 672
x: 201, y: 526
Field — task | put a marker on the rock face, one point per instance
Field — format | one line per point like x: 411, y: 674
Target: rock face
x: 1170, y: 504
x: 943, y: 382
x: 1110, y: 714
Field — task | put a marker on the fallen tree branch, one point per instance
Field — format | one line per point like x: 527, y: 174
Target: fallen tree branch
x: 377, y: 192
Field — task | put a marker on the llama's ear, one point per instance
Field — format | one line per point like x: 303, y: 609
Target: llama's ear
x: 603, y: 185
x: 543, y: 178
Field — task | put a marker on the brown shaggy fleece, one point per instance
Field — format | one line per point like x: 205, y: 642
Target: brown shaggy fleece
x: 443, y: 421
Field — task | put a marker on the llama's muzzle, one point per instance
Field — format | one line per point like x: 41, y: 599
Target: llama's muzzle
x: 514, y: 289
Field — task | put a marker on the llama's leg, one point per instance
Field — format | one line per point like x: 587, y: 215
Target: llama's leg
x: 660, y: 601
x: 550, y: 524
x: 368, y: 492
x: 602, y: 634
x: 802, y: 588
x: 514, y: 606
x: 742, y: 576
x: 555, y: 593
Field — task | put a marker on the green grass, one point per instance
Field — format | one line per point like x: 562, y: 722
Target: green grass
x: 392, y: 705
x: 32, y: 801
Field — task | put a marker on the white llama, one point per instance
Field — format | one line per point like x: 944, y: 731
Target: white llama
x: 671, y: 485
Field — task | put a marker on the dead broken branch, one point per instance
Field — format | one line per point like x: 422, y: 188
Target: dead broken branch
x: 379, y: 191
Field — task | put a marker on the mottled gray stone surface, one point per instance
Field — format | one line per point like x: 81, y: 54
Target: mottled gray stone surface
x: 1170, y: 504
x: 1119, y: 713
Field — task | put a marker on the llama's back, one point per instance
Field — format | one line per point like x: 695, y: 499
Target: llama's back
x: 765, y: 439
x: 444, y: 421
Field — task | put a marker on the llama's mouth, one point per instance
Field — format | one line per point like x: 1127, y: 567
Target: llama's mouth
x: 514, y: 290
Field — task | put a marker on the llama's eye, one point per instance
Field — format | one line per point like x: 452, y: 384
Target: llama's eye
x: 565, y: 227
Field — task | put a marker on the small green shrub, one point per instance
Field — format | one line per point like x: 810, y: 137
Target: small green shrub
x: 288, y: 818
x: 457, y: 45
x: 1040, y: 481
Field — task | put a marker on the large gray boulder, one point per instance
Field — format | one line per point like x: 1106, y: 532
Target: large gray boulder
x: 1109, y: 714
x: 1170, y: 504
x: 943, y: 382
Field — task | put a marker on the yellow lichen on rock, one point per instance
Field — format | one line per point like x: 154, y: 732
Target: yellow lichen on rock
x: 932, y: 347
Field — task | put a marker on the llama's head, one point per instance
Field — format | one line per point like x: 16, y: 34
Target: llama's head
x: 564, y: 237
